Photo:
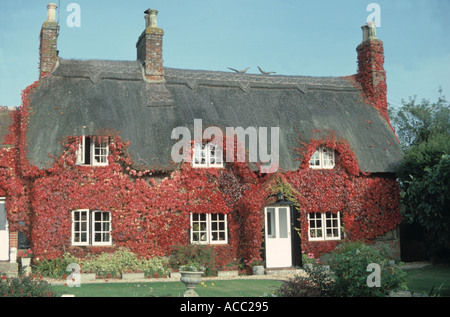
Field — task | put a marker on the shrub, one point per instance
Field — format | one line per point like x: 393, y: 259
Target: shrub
x: 347, y: 275
x: 202, y: 254
x: 155, y: 267
x: 298, y: 286
x: 316, y: 283
x: 54, y: 268
x: 25, y: 286
x: 349, y: 266
x: 103, y: 265
x: 123, y: 261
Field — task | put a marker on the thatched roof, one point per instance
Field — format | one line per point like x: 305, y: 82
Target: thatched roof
x: 5, y: 122
x: 112, y: 95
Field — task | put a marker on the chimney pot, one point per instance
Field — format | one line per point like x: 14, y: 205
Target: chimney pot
x: 369, y: 31
x: 151, y: 18
x: 51, y: 12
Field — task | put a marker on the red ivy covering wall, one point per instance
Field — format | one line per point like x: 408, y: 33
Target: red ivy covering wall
x: 369, y: 205
x: 150, y: 215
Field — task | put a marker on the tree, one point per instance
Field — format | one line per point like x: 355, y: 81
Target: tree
x: 424, y: 173
x: 415, y: 122
x: 427, y: 199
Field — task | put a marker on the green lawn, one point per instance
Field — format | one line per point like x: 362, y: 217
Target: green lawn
x: 226, y: 288
x: 419, y: 280
x: 423, y: 280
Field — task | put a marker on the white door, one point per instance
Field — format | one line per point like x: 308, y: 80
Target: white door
x: 4, y: 233
x: 278, y: 237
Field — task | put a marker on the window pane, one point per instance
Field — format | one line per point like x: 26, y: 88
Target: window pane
x: 315, y: 225
x: 218, y: 227
x: 270, y: 223
x: 195, y: 237
x: 199, y: 228
x: 101, y: 227
x: 283, y: 222
x: 315, y: 159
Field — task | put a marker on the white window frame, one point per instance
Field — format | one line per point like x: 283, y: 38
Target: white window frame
x: 102, y: 231
x: 90, y: 229
x: 323, y: 158
x: 320, y: 223
x: 208, y: 227
x: 210, y: 153
x: 98, y: 151
x: 79, y: 231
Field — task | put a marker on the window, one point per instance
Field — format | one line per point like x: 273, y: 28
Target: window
x: 322, y: 158
x: 3, y: 221
x: 91, y: 227
x: 324, y: 226
x: 209, y: 229
x: 207, y: 155
x: 93, y: 151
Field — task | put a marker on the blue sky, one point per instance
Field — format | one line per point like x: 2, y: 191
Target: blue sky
x: 290, y: 37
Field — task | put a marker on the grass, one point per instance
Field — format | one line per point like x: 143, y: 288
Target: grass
x: 436, y: 279
x: 210, y: 288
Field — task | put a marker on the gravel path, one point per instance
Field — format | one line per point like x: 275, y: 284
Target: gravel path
x: 281, y: 275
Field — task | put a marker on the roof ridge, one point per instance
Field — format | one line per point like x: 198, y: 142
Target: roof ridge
x: 194, y: 78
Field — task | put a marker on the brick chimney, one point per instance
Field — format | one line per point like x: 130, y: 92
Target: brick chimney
x: 48, y: 54
x: 371, y: 74
x: 149, y: 48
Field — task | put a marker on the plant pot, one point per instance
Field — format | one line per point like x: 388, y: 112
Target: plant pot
x: 26, y: 264
x: 258, y: 270
x: 191, y: 279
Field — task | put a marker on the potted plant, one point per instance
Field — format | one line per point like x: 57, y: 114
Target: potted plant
x: 25, y: 259
x: 191, y: 276
x: 256, y: 264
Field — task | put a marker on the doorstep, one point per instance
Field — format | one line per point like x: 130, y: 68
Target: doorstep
x: 9, y: 269
x: 283, y: 271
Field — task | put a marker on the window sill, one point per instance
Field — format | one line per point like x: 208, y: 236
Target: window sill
x: 93, y: 246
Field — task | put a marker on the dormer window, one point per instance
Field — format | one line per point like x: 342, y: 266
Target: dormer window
x: 207, y: 155
x: 322, y: 158
x: 93, y: 151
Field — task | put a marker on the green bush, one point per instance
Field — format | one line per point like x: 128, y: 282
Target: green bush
x: 316, y: 283
x: 54, y: 268
x: 202, y: 254
x: 347, y: 275
x: 155, y: 267
x: 103, y: 265
x: 25, y: 286
x: 349, y: 267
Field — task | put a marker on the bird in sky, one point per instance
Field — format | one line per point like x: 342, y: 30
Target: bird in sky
x: 265, y: 73
x: 239, y: 71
